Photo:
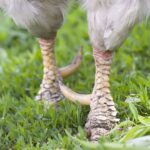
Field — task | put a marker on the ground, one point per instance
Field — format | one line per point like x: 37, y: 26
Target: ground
x: 26, y: 124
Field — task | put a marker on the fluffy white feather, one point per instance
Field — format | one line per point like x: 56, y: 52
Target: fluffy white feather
x: 41, y: 17
x: 110, y: 21
x: 97, y: 11
x: 121, y: 18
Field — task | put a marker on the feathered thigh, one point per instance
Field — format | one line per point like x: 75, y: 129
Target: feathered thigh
x: 110, y: 21
x: 41, y: 17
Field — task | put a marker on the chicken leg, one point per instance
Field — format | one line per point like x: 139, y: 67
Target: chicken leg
x: 102, y: 116
x: 50, y: 90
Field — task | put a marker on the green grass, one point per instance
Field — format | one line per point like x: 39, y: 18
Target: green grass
x: 26, y: 124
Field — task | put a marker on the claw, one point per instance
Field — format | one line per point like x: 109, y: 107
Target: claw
x: 70, y: 69
x: 75, y: 97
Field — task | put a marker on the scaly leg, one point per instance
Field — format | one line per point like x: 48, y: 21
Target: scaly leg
x: 102, y: 116
x: 50, y: 91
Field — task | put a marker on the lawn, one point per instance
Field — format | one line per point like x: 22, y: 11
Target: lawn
x: 26, y: 124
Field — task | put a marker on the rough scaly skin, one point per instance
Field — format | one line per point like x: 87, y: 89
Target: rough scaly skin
x: 102, y: 116
x: 50, y: 91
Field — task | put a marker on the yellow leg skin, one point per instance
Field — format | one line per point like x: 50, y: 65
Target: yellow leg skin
x: 102, y: 116
x: 50, y: 91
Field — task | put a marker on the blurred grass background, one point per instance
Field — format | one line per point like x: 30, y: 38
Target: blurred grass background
x: 25, y: 124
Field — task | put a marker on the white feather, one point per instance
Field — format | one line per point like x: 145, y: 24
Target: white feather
x: 97, y: 12
x: 41, y: 17
x: 122, y: 17
x: 110, y: 21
